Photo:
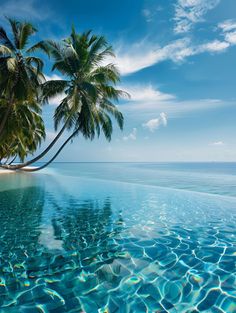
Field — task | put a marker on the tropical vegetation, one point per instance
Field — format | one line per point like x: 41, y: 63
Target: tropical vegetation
x: 88, y: 87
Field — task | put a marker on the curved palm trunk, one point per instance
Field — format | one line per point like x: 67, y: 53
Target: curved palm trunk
x: 12, y: 160
x: 53, y: 158
x: 19, y: 166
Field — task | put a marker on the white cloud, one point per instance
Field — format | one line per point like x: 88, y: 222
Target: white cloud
x: 190, y: 12
x: 217, y: 143
x: 24, y: 9
x: 228, y: 25
x: 146, y: 93
x: 134, y: 60
x: 231, y: 37
x: 213, y: 46
x: 131, y: 136
x: 155, y: 123
x: 143, y: 54
x: 228, y: 28
x: 147, y: 100
x: 145, y: 110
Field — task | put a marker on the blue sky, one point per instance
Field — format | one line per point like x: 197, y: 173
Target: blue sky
x: 178, y: 61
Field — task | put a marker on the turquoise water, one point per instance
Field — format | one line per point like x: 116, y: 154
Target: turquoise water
x: 119, y: 238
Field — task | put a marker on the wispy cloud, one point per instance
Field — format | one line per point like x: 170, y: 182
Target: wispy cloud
x: 156, y: 102
x: 143, y: 54
x: 228, y: 28
x: 217, y: 143
x: 147, y: 93
x: 190, y: 12
x: 29, y: 9
x: 213, y: 46
x: 147, y: 14
x: 150, y: 13
x: 155, y: 123
x: 131, y: 136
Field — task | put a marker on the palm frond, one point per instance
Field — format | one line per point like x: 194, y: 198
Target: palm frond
x: 106, y: 124
x: 39, y: 46
x: 113, y: 110
x: 5, y: 40
x: 34, y: 60
x: 12, y: 65
x: 4, y: 50
x: 26, y: 30
x: 15, y: 26
x: 52, y: 88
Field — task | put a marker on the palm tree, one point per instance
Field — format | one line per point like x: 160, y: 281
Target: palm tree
x: 24, y: 130
x: 89, y: 88
x: 20, y: 72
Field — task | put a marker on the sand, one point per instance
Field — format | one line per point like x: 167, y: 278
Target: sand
x: 5, y: 171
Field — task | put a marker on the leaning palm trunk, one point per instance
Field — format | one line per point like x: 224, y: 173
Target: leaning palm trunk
x: 41, y: 155
x: 12, y: 160
x: 53, y: 158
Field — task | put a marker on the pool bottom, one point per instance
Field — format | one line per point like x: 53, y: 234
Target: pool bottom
x: 90, y: 246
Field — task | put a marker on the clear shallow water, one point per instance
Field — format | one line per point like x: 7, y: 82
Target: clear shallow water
x: 78, y: 244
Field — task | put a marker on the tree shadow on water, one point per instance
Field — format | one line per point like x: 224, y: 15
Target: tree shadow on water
x: 35, y: 274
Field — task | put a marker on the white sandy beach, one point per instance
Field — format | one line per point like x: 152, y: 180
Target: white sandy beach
x: 5, y: 171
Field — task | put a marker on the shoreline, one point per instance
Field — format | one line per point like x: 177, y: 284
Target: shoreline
x: 6, y: 171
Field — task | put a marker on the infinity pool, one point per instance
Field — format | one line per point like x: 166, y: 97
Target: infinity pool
x: 84, y: 244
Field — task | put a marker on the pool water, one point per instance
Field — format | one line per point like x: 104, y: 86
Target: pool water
x: 72, y: 242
